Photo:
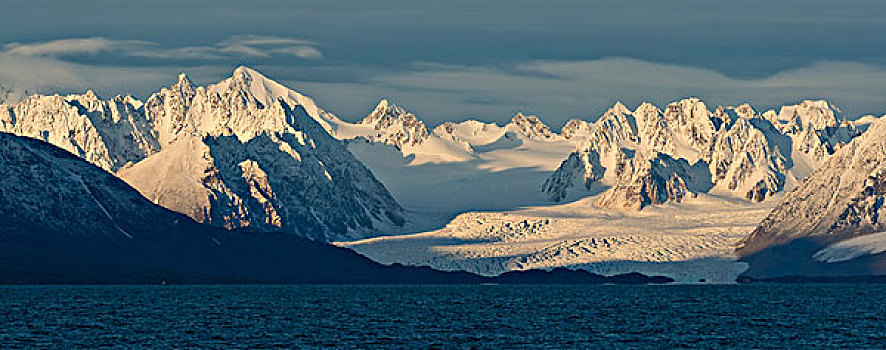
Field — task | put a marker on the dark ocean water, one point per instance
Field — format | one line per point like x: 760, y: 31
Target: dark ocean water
x: 798, y: 316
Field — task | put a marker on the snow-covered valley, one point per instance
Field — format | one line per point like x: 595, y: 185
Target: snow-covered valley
x: 488, y: 207
x: 689, y: 241
x: 481, y: 216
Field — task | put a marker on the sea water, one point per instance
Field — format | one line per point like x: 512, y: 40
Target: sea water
x: 556, y: 316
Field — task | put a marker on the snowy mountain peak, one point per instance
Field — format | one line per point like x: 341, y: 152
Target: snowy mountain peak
x: 530, y: 126
x: 245, y: 152
x: 747, y: 154
x: 183, y: 79
x: 744, y: 111
x: 385, y: 109
x: 394, y: 126
x: 383, y: 105
x: 89, y: 95
x: 816, y: 115
x: 252, y: 84
x: 652, y: 178
x: 619, y: 107
x: 575, y: 128
x: 182, y: 83
x: 647, y: 108
x: 244, y: 73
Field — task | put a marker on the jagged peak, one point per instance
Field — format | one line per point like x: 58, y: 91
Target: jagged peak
x: 256, y: 85
x: 812, y: 105
x: 383, y: 104
x: 817, y: 114
x: 88, y: 98
x: 620, y: 107
x: 395, y: 125
x: 690, y: 104
x: 647, y: 108
x: 816, y: 104
x: 387, y: 110
x: 530, y: 126
x: 385, y: 107
x: 244, y: 72
x: 91, y: 95
x: 183, y: 78
x: 745, y: 110
x: 182, y: 81
x: 520, y: 117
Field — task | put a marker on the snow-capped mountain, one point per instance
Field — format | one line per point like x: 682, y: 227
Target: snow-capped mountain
x: 732, y: 150
x: 653, y: 178
x: 108, y: 133
x: 245, y: 152
x: 67, y: 221
x: 841, y: 202
x: 395, y: 126
x: 530, y: 127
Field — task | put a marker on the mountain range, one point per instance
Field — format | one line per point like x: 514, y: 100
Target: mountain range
x: 243, y: 153
x: 248, y: 154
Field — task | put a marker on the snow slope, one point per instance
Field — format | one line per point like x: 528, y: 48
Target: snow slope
x: 457, y: 167
x: 841, y: 201
x: 853, y: 248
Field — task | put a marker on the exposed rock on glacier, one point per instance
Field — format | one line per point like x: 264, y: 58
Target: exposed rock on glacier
x: 579, y: 165
x: 530, y: 126
x: 575, y: 127
x: 654, y: 178
x: 843, y: 199
x: 394, y: 126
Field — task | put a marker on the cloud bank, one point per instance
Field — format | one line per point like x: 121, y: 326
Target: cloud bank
x: 556, y: 90
x: 234, y: 47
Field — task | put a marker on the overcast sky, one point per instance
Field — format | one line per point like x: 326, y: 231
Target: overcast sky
x: 453, y: 60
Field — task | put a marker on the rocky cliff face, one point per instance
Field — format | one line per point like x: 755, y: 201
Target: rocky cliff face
x: 649, y: 179
x: 580, y: 167
x: 750, y: 155
x: 246, y: 152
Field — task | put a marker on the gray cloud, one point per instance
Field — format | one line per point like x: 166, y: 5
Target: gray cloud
x: 558, y: 90
x: 234, y: 47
